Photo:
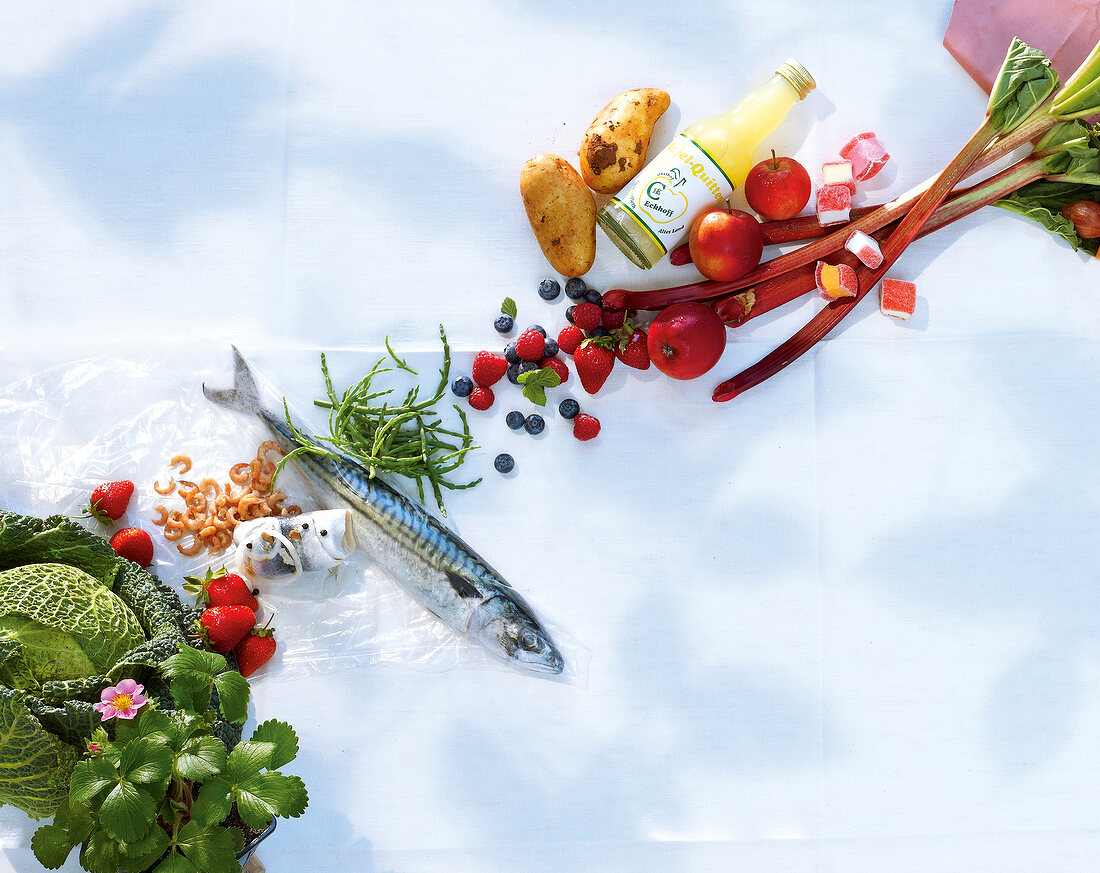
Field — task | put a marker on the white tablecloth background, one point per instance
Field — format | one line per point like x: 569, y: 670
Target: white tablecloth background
x: 846, y: 622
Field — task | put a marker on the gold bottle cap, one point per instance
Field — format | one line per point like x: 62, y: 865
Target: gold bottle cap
x: 798, y: 76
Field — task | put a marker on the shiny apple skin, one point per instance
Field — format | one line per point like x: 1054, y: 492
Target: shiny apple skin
x: 725, y: 244
x: 686, y: 340
x: 778, y: 188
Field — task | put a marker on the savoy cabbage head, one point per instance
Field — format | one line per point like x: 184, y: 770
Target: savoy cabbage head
x: 74, y: 618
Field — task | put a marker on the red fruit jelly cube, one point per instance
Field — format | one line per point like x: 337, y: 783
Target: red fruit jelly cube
x: 836, y: 280
x: 866, y: 154
x: 834, y: 204
x: 865, y: 248
x: 839, y: 173
x: 897, y: 298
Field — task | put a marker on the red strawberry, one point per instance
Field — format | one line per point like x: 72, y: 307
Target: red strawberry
x: 488, y: 369
x: 482, y: 398
x: 220, y: 589
x: 570, y: 337
x: 593, y: 362
x: 587, y: 316
x: 133, y: 544
x: 680, y: 256
x: 557, y: 365
x: 531, y: 345
x: 632, y: 350
x: 225, y: 626
x: 254, y: 650
x: 585, y: 426
x: 109, y: 501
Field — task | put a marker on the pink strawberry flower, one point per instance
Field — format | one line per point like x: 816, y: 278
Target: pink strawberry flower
x: 122, y: 700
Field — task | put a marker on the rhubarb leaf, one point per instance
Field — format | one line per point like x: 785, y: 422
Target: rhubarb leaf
x: 1080, y: 97
x: 1043, y: 201
x: 1026, y: 80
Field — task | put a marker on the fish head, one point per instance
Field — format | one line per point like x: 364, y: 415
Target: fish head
x: 511, y: 633
x: 334, y: 532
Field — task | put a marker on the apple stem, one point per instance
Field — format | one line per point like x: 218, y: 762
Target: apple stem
x: 775, y: 161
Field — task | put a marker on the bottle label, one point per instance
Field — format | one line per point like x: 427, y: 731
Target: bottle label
x: 672, y: 188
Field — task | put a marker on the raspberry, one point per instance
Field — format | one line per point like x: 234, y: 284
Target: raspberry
x: 587, y: 316
x: 481, y: 398
x: 570, y: 337
x: 557, y: 365
x: 488, y: 369
x: 612, y: 318
x: 585, y: 427
x: 530, y: 345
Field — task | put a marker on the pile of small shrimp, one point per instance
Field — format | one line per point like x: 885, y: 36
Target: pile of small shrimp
x: 211, y: 510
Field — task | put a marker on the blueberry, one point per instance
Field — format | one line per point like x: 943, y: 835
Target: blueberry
x: 600, y: 330
x: 528, y: 366
x: 510, y: 354
x: 569, y: 313
x: 549, y: 289
x: 550, y: 350
x: 504, y: 463
x: 504, y: 324
x: 514, y: 419
x: 593, y: 296
x: 513, y: 374
x: 462, y: 386
x: 568, y: 408
x: 575, y: 288
x: 534, y: 423
x: 539, y: 328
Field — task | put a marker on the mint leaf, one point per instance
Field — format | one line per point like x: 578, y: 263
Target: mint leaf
x: 90, y: 778
x: 535, y: 381
x: 233, y: 696
x: 282, y: 737
x: 51, y: 846
x: 247, y: 759
x: 213, y: 803
x: 145, y: 760
x: 176, y: 863
x: 127, y: 812
x: 200, y: 758
x: 211, y: 849
x: 100, y: 854
x: 508, y: 307
x: 270, y: 794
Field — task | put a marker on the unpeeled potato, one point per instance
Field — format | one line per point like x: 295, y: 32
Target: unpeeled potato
x: 614, y: 146
x: 562, y: 212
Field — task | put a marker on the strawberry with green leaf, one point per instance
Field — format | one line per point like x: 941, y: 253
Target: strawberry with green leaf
x: 220, y: 588
x: 593, y: 362
x: 109, y: 501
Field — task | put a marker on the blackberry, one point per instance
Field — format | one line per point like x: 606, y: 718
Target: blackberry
x: 539, y: 328
x: 550, y: 350
x: 534, y: 423
x: 504, y: 463
x: 568, y: 408
x: 575, y: 288
x: 504, y: 324
x: 514, y: 419
x: 593, y: 296
x: 462, y: 386
x: 549, y: 289
x: 510, y: 354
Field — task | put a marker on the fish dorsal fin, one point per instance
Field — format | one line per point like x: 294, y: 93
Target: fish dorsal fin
x: 464, y: 588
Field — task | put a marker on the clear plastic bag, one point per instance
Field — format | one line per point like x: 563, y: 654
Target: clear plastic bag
x: 83, y: 423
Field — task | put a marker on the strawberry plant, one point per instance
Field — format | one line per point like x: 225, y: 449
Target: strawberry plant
x: 157, y: 789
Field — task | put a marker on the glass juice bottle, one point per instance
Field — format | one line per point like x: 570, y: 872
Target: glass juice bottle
x: 700, y: 166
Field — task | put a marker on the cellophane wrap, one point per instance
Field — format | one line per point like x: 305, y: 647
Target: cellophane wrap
x: 86, y: 422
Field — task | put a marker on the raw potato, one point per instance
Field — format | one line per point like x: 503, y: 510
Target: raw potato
x: 562, y: 212
x: 615, y: 144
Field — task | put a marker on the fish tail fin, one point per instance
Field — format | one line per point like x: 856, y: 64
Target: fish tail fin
x: 244, y: 396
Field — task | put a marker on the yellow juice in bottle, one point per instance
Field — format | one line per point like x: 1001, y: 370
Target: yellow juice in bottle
x: 701, y: 166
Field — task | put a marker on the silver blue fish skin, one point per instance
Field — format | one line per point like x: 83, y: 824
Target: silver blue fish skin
x: 426, y: 559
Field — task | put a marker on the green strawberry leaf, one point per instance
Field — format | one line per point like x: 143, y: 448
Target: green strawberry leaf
x: 146, y: 760
x: 192, y: 695
x: 508, y: 307
x: 247, y: 759
x: 213, y: 803
x: 90, y: 778
x: 200, y: 758
x: 100, y: 853
x: 141, y: 854
x: 176, y: 863
x: 51, y: 845
x: 233, y: 696
x: 535, y: 382
x: 194, y: 664
x: 270, y: 794
x: 127, y: 812
x: 210, y: 849
x: 76, y: 820
x: 282, y: 737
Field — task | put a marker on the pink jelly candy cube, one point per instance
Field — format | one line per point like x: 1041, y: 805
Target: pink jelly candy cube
x: 866, y: 154
x: 836, y: 280
x: 839, y: 173
x: 897, y: 298
x: 834, y: 204
x: 865, y: 248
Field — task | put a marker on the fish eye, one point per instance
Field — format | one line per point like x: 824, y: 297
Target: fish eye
x: 248, y: 545
x: 529, y: 641
x: 305, y: 526
x: 323, y: 533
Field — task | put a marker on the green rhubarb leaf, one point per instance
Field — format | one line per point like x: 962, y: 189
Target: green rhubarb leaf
x: 508, y: 307
x: 233, y: 694
x: 535, y: 383
x: 1026, y: 80
x: 200, y: 758
x: 1080, y: 96
x: 51, y: 846
x: 127, y: 812
x: 214, y: 802
x: 1043, y: 201
x: 282, y: 737
x: 91, y: 778
x: 210, y: 849
x: 145, y: 760
x: 270, y: 794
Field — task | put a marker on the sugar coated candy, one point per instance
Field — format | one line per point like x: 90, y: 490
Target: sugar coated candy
x: 839, y: 173
x: 897, y: 298
x: 836, y: 280
x: 865, y: 248
x: 866, y: 154
x: 834, y: 204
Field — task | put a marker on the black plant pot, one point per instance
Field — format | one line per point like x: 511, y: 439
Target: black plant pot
x: 250, y: 847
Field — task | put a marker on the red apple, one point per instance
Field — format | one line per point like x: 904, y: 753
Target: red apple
x: 686, y: 339
x: 725, y: 243
x: 778, y: 188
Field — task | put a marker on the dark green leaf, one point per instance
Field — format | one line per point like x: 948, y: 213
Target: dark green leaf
x: 150, y: 722
x: 213, y: 803
x: 100, y: 854
x: 200, y: 758
x: 76, y: 819
x: 233, y: 694
x: 90, y: 778
x: 192, y: 663
x: 145, y: 760
x: 127, y: 812
x: 1026, y: 79
x: 282, y: 737
x: 176, y: 863
x: 1043, y: 202
x: 508, y: 307
x: 269, y: 794
x: 194, y: 698
x: 51, y: 846
x: 211, y: 849
x: 143, y: 853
